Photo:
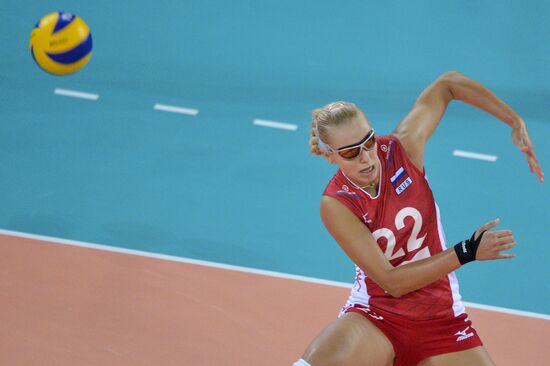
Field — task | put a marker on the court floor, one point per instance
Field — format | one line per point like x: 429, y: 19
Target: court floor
x: 66, y: 303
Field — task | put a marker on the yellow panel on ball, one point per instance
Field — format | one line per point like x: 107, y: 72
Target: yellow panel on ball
x: 61, y: 43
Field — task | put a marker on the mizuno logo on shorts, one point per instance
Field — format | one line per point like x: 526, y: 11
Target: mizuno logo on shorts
x: 464, y: 249
x: 462, y: 335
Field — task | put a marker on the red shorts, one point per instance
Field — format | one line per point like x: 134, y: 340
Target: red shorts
x: 416, y: 340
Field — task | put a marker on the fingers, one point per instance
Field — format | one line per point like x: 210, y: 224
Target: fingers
x: 502, y: 233
x: 504, y: 241
x: 487, y: 226
x: 535, y: 167
x: 507, y: 246
x: 494, y: 243
x: 495, y: 251
x: 508, y: 240
x: 501, y: 238
x: 532, y: 160
x: 523, y: 141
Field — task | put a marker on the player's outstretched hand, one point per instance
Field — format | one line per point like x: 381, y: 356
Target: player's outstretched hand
x: 493, y: 243
x: 521, y: 139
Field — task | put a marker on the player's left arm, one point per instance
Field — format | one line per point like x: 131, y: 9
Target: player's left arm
x: 419, y: 124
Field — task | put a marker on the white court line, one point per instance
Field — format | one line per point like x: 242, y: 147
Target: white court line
x: 175, y: 109
x: 237, y: 268
x: 273, y: 124
x: 473, y: 155
x: 505, y: 310
x: 76, y: 94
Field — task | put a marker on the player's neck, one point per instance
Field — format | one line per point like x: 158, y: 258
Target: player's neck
x: 371, y: 189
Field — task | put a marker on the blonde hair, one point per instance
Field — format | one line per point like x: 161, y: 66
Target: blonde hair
x: 333, y: 114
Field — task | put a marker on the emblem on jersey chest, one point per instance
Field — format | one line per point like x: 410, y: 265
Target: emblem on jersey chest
x: 400, y: 180
x: 345, y: 191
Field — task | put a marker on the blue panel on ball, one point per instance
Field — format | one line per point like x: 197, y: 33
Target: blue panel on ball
x: 63, y: 20
x: 75, y: 54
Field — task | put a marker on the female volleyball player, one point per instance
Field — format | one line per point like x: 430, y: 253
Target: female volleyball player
x: 404, y: 308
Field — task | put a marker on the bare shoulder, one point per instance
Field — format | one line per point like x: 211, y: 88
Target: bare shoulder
x: 336, y: 216
x: 344, y: 226
x: 332, y: 207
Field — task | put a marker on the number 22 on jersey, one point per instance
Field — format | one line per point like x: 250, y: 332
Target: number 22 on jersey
x: 413, y: 243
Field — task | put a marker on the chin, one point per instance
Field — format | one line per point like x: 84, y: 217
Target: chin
x: 368, y: 177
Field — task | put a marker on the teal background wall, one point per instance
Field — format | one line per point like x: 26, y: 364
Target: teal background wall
x: 214, y: 186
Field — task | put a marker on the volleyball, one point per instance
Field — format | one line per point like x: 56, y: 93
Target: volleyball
x: 61, y: 43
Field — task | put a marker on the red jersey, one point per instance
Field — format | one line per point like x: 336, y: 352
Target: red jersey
x: 404, y: 219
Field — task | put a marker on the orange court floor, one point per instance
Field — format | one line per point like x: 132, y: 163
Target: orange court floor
x: 69, y: 305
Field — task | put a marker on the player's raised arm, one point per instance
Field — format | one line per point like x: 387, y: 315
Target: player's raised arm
x: 419, y: 124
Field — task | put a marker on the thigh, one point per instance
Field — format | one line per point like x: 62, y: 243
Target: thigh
x: 474, y: 356
x: 350, y: 340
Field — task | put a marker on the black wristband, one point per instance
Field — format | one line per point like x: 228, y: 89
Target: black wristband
x: 466, y: 250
